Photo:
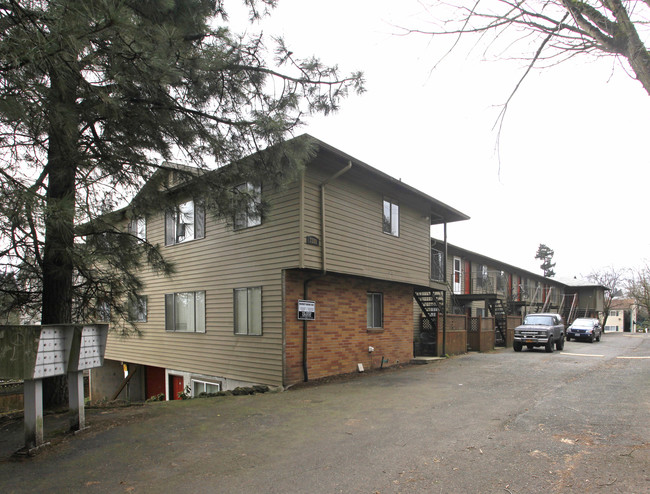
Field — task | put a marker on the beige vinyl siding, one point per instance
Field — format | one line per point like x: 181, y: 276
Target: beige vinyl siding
x: 256, y: 256
x: 223, y: 260
x: 355, y: 242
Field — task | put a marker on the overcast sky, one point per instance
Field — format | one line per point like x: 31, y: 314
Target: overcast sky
x: 573, y: 169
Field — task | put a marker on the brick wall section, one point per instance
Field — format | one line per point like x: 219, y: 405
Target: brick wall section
x: 339, y: 339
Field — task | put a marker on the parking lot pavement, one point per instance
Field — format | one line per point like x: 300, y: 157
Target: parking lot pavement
x: 493, y: 422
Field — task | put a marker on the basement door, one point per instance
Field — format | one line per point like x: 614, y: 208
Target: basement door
x: 154, y: 382
x: 175, y: 387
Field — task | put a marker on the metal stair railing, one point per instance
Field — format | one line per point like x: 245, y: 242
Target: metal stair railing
x: 500, y: 313
x: 429, y: 303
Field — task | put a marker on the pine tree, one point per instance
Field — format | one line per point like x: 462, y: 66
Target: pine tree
x: 545, y: 254
x: 95, y: 95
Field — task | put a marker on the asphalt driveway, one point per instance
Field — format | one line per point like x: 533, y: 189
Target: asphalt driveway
x: 506, y: 422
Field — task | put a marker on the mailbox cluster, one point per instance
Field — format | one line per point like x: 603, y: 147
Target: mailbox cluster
x: 33, y: 353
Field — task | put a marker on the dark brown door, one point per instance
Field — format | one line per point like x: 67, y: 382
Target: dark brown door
x: 155, y: 381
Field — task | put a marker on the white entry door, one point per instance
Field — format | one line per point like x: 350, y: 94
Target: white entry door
x: 458, y: 276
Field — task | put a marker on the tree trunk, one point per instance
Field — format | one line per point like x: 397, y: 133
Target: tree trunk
x: 631, y: 45
x: 59, y: 216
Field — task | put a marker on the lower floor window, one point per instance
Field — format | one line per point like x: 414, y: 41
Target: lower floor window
x: 185, y: 312
x: 103, y: 311
x: 375, y: 310
x: 248, y: 310
x: 199, y: 387
x: 137, y: 308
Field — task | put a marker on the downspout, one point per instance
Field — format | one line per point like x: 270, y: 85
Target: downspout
x: 323, y: 255
x: 444, y: 304
x: 305, y: 293
x: 301, y: 223
x: 323, y: 221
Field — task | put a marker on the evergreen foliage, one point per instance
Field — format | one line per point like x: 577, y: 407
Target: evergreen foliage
x: 545, y: 254
x: 95, y: 95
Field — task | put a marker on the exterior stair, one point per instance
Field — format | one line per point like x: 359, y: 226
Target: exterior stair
x: 499, y: 310
x: 431, y: 302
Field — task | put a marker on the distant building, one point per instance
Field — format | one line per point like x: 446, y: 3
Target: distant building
x: 623, y: 315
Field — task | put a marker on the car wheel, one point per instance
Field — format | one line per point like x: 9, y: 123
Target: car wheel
x: 568, y: 338
x: 549, y: 346
x: 516, y: 346
x: 559, y: 345
x: 591, y: 339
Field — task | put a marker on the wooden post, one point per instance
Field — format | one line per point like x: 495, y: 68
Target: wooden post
x: 76, y: 403
x: 33, y: 399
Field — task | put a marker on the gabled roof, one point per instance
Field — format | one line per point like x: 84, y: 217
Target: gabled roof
x: 440, y: 212
x: 619, y: 303
x: 581, y: 283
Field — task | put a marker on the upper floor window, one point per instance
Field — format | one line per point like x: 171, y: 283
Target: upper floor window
x: 185, y: 222
x: 247, y: 206
x: 391, y: 217
x: 185, y: 311
x: 482, y: 280
x: 437, y: 265
x: 501, y: 281
x: 138, y: 227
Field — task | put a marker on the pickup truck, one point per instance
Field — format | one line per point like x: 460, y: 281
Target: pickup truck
x: 545, y: 330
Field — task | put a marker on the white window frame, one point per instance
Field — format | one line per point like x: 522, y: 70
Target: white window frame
x: 247, y: 206
x: 188, y: 215
x: 205, y: 383
x: 372, y: 299
x: 502, y: 281
x: 138, y: 227
x: 440, y: 263
x: 482, y: 276
x: 457, y: 275
x: 247, y: 321
x: 197, y: 323
x: 390, y: 217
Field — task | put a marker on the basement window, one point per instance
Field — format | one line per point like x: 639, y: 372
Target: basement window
x: 199, y: 387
